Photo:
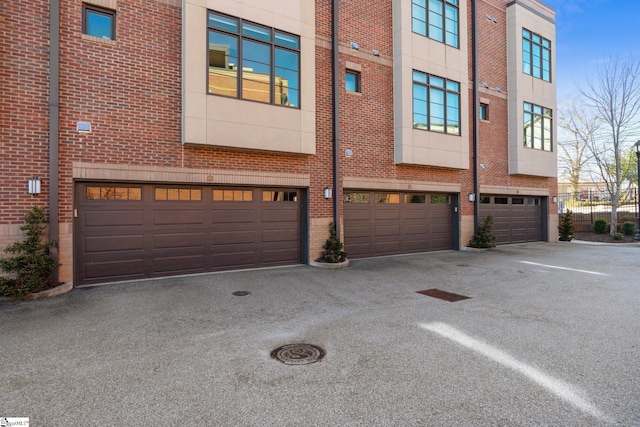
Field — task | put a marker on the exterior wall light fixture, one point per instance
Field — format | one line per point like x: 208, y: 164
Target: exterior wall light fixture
x: 34, y: 185
x: 327, y: 192
x: 554, y: 199
x: 472, y: 197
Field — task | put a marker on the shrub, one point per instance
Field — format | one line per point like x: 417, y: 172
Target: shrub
x: 32, y: 265
x: 600, y: 226
x: 629, y: 228
x: 566, y: 228
x: 485, y: 237
x: 617, y: 236
x: 333, y: 252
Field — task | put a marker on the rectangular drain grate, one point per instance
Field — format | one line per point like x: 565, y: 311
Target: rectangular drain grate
x: 447, y: 296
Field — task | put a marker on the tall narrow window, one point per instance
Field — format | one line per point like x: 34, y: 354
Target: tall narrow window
x: 99, y: 22
x: 437, y: 19
x: 536, y: 55
x: 484, y: 111
x: 538, y: 122
x: 252, y: 61
x: 436, y: 104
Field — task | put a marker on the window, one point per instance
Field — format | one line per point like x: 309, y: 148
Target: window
x: 436, y: 19
x: 536, y: 55
x: 440, y: 199
x: 484, y: 112
x: 387, y: 198
x: 436, y: 104
x: 517, y: 200
x: 537, y: 127
x: 415, y: 198
x: 113, y: 193
x: 178, y: 194
x: 232, y: 195
x: 352, y: 197
x: 99, y: 22
x: 253, y: 62
x: 352, y: 81
x: 485, y: 199
x: 279, y: 196
x: 501, y: 200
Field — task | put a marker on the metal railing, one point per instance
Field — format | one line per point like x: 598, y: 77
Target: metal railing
x: 587, y: 207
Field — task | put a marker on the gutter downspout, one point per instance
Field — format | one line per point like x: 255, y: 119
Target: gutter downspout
x: 476, y: 129
x: 335, y: 79
x: 54, y: 142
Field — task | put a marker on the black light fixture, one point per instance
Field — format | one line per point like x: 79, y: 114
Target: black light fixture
x: 637, y: 147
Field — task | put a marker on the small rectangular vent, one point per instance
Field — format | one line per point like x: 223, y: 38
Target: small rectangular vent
x: 447, y: 296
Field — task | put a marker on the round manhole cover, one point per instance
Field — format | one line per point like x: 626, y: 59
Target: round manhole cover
x: 298, y: 354
x: 241, y: 293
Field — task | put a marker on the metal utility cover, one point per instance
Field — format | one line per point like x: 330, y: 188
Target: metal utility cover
x: 447, y: 296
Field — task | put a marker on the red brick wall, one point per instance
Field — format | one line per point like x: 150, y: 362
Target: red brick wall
x: 24, y: 106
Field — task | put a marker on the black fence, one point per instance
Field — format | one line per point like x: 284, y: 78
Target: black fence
x: 586, y: 207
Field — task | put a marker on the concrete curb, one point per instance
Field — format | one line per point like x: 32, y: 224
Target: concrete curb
x: 330, y: 265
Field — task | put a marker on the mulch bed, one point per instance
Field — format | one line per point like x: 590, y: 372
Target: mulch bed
x: 603, y: 238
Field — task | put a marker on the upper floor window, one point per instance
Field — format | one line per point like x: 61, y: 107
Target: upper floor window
x: 436, y: 104
x: 437, y: 19
x: 352, y: 81
x: 99, y: 22
x: 252, y: 61
x: 536, y: 55
x: 538, y: 125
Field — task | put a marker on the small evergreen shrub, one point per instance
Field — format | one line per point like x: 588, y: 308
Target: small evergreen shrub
x: 600, y: 226
x: 333, y: 252
x: 485, y: 237
x: 617, y: 236
x: 629, y: 228
x: 566, y: 228
x: 31, y: 265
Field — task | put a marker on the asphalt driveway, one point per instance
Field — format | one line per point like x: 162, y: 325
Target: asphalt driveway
x: 549, y: 336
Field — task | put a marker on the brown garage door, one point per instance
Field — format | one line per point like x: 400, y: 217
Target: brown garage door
x: 128, y: 231
x: 386, y: 223
x: 516, y: 219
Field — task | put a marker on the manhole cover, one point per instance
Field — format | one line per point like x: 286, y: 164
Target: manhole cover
x: 447, y: 296
x: 298, y: 354
x: 241, y: 293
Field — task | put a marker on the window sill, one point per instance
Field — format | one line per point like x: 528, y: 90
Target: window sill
x: 98, y: 39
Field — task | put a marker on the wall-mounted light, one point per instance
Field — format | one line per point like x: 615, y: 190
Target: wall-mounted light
x: 327, y: 192
x: 348, y: 153
x: 472, y: 197
x: 375, y: 52
x: 355, y: 46
x: 34, y: 185
x: 554, y: 199
x: 83, y: 127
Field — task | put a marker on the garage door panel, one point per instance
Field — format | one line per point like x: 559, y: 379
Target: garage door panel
x: 387, y: 230
x: 514, y: 222
x: 387, y: 214
x: 285, y: 255
x: 235, y: 237
x: 354, y: 232
x: 359, y: 212
x: 283, y: 235
x: 382, y: 248
x: 280, y: 215
x: 236, y: 216
x: 178, y: 264
x: 415, y: 245
x: 111, y: 243
x: 130, y: 268
x: 178, y: 217
x: 415, y: 214
x: 178, y: 240
x: 415, y: 229
x: 111, y: 218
